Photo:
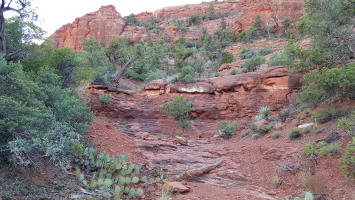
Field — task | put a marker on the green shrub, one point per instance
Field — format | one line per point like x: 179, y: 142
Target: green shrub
x: 348, y: 161
x: 255, y: 136
x: 37, y: 116
x: 278, y: 126
x: 312, y: 151
x: 227, y: 58
x: 105, y: 99
x: 179, y: 109
x: 194, y: 20
x: 264, y: 51
x: 277, y: 58
x: 323, y: 115
x: 330, y: 149
x: 247, y: 53
x: 252, y: 64
x: 226, y: 130
x: 187, y: 74
x: 276, y: 135
x: 348, y: 124
x: 233, y: 72
x: 319, y: 86
x: 294, y: 134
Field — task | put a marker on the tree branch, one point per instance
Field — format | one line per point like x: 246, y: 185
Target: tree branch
x: 3, y: 4
x: 8, y: 5
x: 13, y: 9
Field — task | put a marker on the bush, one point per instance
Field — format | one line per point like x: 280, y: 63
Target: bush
x: 38, y: 117
x: 348, y: 161
x: 226, y: 130
x: 247, y: 53
x: 319, y: 86
x: 276, y: 135
x: 194, y: 20
x: 323, y: 115
x: 179, y: 109
x: 233, y: 72
x: 105, y: 99
x: 348, y: 124
x: 312, y: 151
x: 252, y: 64
x: 277, y: 58
x: 255, y: 136
x: 276, y: 181
x: 187, y: 74
x: 294, y: 134
x: 278, y: 126
x: 265, y: 51
x: 330, y: 149
x: 227, y: 58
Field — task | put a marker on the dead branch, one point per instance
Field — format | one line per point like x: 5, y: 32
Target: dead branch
x: 196, y: 172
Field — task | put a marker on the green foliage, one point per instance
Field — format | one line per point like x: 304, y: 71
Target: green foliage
x: 252, y: 64
x: 276, y: 135
x: 276, y: 181
x: 95, y: 65
x: 179, y: 109
x: 262, y: 114
x: 247, y: 53
x: 37, y: 116
x: 194, y: 20
x: 257, y: 31
x: 233, y: 72
x: 294, y: 134
x: 265, y: 51
x: 211, y: 14
x: 132, y: 20
x: 323, y: 115
x: 181, y: 54
x: 187, y: 74
x: 313, y: 151
x: 348, y: 124
x: 348, y: 161
x: 319, y: 86
x: 77, y: 150
x: 329, y: 22
x: 150, y: 61
x: 105, y: 99
x: 278, y: 58
x: 226, y: 130
x: 112, y: 174
x: 255, y: 136
x: 227, y: 58
x: 19, y: 34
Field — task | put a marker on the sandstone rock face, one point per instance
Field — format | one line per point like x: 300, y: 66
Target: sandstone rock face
x: 228, y: 97
x: 107, y: 24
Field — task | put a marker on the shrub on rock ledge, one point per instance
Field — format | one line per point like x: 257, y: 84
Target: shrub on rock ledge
x: 179, y: 109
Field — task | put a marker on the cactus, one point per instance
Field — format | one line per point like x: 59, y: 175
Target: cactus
x: 308, y: 196
x: 126, y: 190
x: 135, y: 179
x: 128, y: 180
x: 107, y: 182
x: 100, y: 182
x: 93, y: 185
x: 139, y: 192
x: 144, y: 179
x: 122, y: 180
x: 132, y: 193
x: 264, y: 111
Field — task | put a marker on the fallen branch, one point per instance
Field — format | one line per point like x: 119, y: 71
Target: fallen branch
x: 196, y: 172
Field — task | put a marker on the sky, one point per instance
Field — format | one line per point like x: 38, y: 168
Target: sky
x: 55, y: 13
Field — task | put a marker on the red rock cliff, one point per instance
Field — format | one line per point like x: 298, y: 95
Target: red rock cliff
x: 107, y: 24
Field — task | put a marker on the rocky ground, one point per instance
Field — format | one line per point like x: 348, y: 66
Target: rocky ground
x: 133, y: 124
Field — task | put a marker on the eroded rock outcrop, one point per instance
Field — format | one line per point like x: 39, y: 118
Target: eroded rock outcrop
x: 228, y: 97
x: 107, y: 24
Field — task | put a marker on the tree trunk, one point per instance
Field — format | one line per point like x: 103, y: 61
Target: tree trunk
x: 2, y: 34
x: 119, y: 71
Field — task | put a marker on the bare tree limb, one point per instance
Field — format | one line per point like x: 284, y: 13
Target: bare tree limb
x: 8, y: 5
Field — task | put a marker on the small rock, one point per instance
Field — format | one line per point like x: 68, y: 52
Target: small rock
x: 178, y: 187
x: 261, y: 122
x: 271, y: 192
x: 180, y: 140
x: 305, y: 125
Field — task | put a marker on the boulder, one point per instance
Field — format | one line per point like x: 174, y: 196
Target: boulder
x: 178, y: 187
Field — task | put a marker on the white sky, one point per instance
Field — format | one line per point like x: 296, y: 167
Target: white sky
x: 55, y: 13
